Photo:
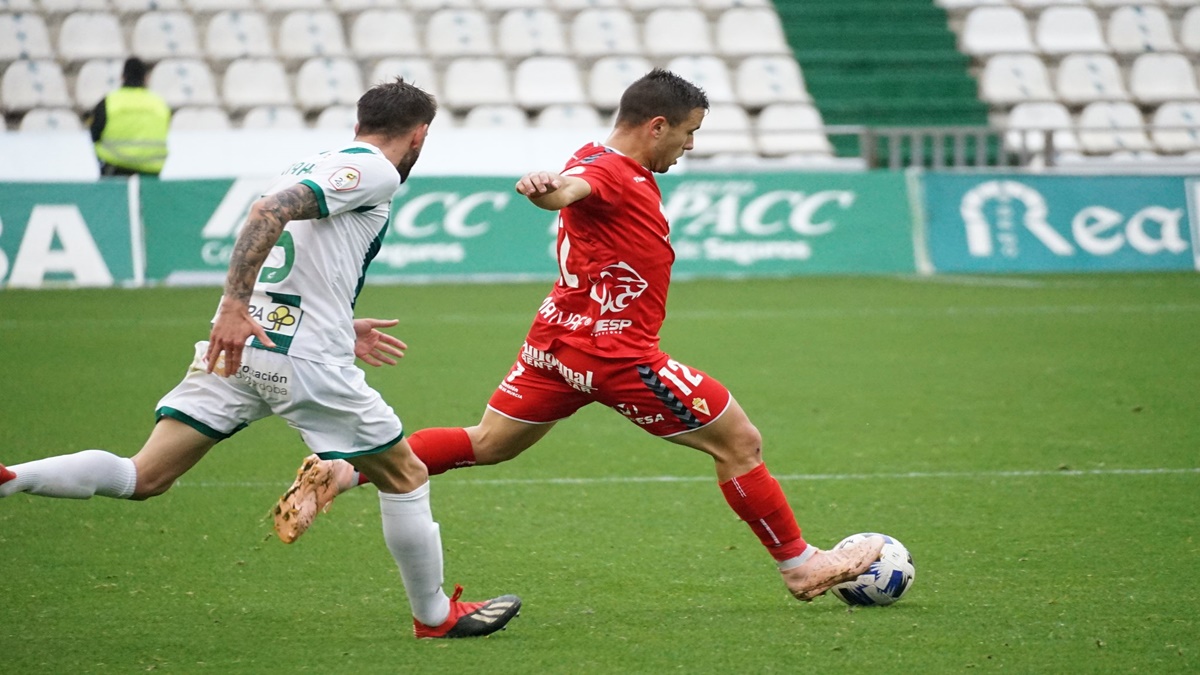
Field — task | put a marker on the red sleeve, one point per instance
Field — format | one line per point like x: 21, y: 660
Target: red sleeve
x: 603, y: 180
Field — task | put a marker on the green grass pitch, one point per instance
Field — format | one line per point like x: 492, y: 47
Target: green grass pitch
x: 1035, y: 441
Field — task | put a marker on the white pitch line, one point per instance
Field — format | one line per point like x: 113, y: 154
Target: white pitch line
x: 618, y: 480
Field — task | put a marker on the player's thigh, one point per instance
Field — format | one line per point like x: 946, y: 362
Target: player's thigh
x: 662, y: 396
x: 172, y: 449
x: 395, y: 469
x: 498, y: 438
x: 214, y: 406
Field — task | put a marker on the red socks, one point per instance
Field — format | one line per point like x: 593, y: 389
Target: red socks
x: 757, y: 499
x: 441, y: 449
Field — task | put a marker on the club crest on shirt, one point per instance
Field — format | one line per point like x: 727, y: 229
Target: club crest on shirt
x: 618, y: 285
x: 345, y: 178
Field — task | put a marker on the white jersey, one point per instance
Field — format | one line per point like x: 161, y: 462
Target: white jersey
x: 307, y: 288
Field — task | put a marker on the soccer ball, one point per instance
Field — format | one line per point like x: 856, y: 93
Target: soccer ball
x: 888, y: 579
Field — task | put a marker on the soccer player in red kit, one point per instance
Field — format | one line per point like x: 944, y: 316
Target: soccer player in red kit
x: 595, y: 339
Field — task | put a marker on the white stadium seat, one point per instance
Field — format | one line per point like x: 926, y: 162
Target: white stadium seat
x: 53, y: 7
x: 234, y: 34
x: 183, y: 82
x: 278, y: 6
x: 1043, y: 4
x: 747, y: 31
x: 1066, y: 30
x: 763, y: 80
x: 1176, y: 127
x: 1105, y: 128
x: 651, y: 5
x: 611, y: 75
x: 1155, y: 78
x: 676, y: 32
x: 324, y: 81
x: 725, y: 130
x: 454, y: 33
x: 966, y: 5
x: 203, y: 7
x: 49, y: 120
x: 338, y: 117
x: 569, y: 116
x: 1083, y: 78
x: 425, y: 6
x: 37, y: 83
x: 530, y: 32
x: 416, y: 71
x: 496, y: 117
x: 95, y: 80
x: 304, y: 34
x: 497, y: 6
x: 379, y: 33
x: 540, y: 81
x: 91, y: 35
x: 255, y: 82
x: 1136, y: 29
x: 352, y: 6
x: 1028, y: 124
x: 473, y: 81
x: 792, y: 129
x: 273, y: 117
x: 18, y: 6
x: 714, y: 6
x: 995, y: 30
x: 607, y: 31
x: 1189, y: 30
x: 138, y: 7
x: 161, y: 35
x: 24, y: 36
x: 200, y: 119
x: 1014, y: 78
x: 567, y: 7
x: 707, y: 72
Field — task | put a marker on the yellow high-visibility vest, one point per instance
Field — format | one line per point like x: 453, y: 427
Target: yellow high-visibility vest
x: 135, y: 130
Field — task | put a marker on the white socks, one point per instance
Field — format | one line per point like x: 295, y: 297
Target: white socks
x: 416, y: 543
x: 77, y: 476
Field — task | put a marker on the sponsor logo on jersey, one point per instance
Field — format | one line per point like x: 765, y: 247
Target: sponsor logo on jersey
x: 275, y: 317
x: 345, y: 178
x: 540, y: 359
x: 631, y: 411
x: 553, y: 315
x: 619, y: 284
x: 639, y: 179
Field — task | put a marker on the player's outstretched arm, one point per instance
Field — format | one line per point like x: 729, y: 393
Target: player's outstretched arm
x: 375, y: 347
x: 265, y: 223
x: 552, y: 191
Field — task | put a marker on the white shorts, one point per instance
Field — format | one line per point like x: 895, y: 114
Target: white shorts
x: 337, y: 414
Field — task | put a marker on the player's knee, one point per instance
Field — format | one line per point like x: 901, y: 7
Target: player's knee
x: 747, y: 442
x: 152, y: 487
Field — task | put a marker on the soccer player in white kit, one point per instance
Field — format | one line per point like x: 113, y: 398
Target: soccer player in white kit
x: 283, y: 342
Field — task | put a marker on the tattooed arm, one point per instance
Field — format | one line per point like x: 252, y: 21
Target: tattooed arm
x: 263, y: 227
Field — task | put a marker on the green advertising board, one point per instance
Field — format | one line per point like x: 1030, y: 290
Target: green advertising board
x: 68, y: 233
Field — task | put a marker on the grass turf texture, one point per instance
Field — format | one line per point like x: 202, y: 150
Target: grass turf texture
x: 896, y: 405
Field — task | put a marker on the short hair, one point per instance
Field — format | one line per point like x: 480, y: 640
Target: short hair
x: 659, y: 92
x: 134, y: 72
x: 394, y: 108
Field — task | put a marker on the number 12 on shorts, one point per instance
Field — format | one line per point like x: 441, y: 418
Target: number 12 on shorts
x: 672, y: 372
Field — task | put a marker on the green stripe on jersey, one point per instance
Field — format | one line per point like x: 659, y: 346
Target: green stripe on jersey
x: 364, y: 209
x: 320, y: 196
x: 357, y: 151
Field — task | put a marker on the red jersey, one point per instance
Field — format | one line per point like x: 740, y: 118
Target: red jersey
x: 614, y: 260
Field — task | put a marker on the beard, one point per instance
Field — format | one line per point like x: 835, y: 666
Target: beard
x: 406, y: 164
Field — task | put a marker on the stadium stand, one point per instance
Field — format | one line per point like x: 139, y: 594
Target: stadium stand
x: 569, y: 116
x: 529, y: 82
x: 235, y: 34
x: 200, y: 118
x: 273, y: 117
x: 50, y: 119
x: 24, y: 36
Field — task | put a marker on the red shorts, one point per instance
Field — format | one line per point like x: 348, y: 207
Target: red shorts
x: 660, y: 395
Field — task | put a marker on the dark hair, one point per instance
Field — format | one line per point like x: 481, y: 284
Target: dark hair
x: 660, y: 92
x: 394, y: 108
x: 134, y: 73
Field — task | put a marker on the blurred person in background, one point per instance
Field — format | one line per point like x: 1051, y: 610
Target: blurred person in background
x: 129, y: 127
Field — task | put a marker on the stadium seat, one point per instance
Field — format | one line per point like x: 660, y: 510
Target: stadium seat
x: 746, y: 31
x: 338, y: 117
x: 1189, y: 30
x: 139, y: 7
x: 24, y: 36
x: 417, y: 71
x: 206, y: 118
x: 1067, y: 30
x: 453, y: 33
x: 496, y: 117
x: 1136, y: 29
x: 1033, y: 5
x: 1176, y: 127
x: 18, y: 6
x: 726, y: 130
x: 762, y: 80
x: 324, y: 81
x: 95, y: 79
x: 305, y: 34
x: 643, y: 6
x: 1028, y: 124
x: 530, y: 32
x: 995, y: 30
x: 379, y: 33
x: 280, y: 6
x: 539, y: 81
x: 255, y: 82
x: 1108, y: 127
x: 234, y: 34
x: 273, y: 117
x: 571, y: 116
x: 792, y: 129
x: 55, y: 7
x: 676, y: 32
x: 1013, y: 78
x: 1122, y: 3
x: 50, y: 119
x: 496, y: 6
x: 352, y: 6
x: 959, y: 6
x: 161, y: 35
x: 607, y: 31
x: 183, y: 82
x: 1083, y: 78
x: 707, y: 72
x: 567, y: 7
x: 716, y: 6
x: 1156, y: 78
x: 611, y: 75
x: 426, y: 6
x: 91, y: 35
x: 37, y: 83
x: 204, y: 7
x: 473, y: 81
